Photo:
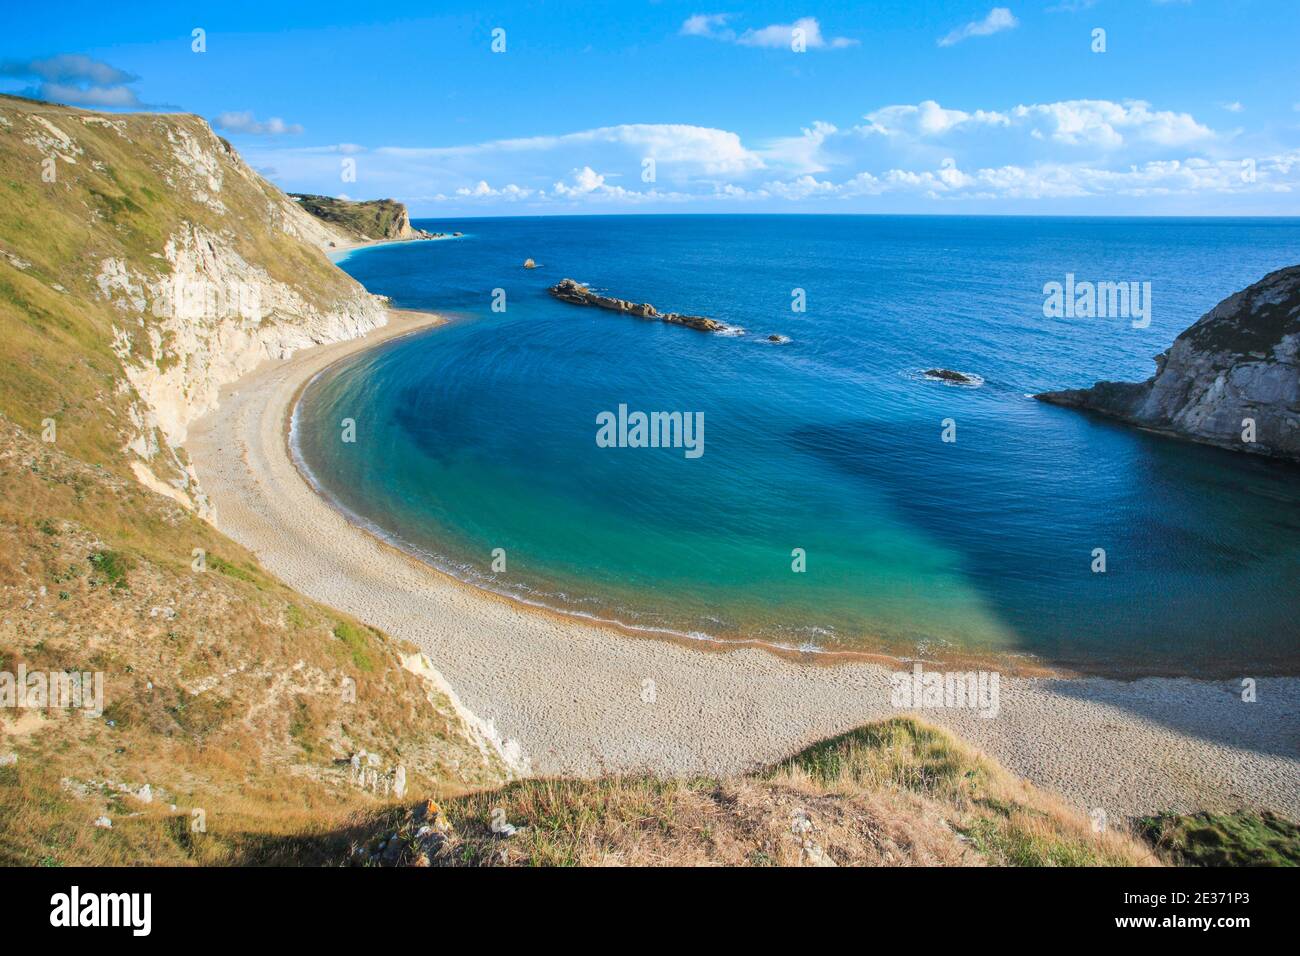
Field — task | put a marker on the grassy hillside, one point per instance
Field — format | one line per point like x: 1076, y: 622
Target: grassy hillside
x: 365, y: 220
x: 894, y: 793
x: 225, y: 692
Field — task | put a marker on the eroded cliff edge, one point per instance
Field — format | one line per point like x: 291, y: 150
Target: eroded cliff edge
x: 1232, y: 379
x: 143, y: 265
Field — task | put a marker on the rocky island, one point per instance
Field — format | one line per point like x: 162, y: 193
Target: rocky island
x: 1232, y: 379
x: 568, y: 290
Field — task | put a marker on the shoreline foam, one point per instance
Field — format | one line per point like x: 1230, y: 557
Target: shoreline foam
x: 570, y: 695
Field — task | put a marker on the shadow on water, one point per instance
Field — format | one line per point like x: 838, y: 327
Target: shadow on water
x: 1203, y: 550
x: 1202, y: 545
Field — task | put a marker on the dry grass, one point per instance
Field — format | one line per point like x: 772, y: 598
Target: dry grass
x: 223, y: 689
x: 896, y: 793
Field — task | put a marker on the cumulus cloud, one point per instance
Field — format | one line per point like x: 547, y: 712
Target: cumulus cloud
x: 900, y: 157
x: 75, y: 79
x: 927, y: 118
x: 1103, y: 124
x: 587, y: 181
x: 676, y: 148
x: 243, y: 122
x: 804, y: 153
x: 481, y: 190
x: 714, y: 26
x: 998, y: 19
x: 1275, y: 175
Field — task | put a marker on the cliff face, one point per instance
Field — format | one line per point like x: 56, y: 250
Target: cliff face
x: 360, y: 221
x: 1239, y: 364
x: 143, y: 265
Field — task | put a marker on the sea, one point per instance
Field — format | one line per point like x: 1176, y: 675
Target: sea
x: 809, y: 487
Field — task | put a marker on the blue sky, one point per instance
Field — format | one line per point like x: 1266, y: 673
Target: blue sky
x: 945, y: 107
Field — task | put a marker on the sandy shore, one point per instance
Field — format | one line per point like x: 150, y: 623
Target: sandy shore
x: 572, y: 696
x: 342, y: 251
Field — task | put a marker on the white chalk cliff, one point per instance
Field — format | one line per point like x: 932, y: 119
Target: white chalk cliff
x: 1232, y: 379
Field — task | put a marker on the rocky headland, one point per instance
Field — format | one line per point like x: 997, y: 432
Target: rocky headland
x: 371, y: 220
x: 1232, y: 379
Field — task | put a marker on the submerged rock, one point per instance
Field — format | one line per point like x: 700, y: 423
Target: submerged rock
x: 1232, y: 379
x: 575, y: 293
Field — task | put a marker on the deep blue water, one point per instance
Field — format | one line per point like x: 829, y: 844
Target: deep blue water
x: 482, y: 435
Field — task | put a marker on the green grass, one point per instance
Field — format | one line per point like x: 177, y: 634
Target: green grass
x: 1225, y: 839
x: 357, y: 643
x: 240, y: 572
x: 111, y: 567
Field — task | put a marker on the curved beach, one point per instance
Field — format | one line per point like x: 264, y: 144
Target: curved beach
x: 571, y: 697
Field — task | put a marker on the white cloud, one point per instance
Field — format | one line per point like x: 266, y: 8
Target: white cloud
x: 1100, y: 124
x: 1097, y: 152
x: 1194, y: 176
x: 802, y: 153
x: 1106, y: 123
x: 243, y: 122
x: 481, y: 190
x: 781, y: 35
x: 803, y: 187
x: 75, y: 79
x: 712, y: 25
x: 692, y: 149
x: 775, y: 36
x: 120, y: 97
x: 1233, y: 107
x: 587, y: 181
x: 927, y: 118
x: 998, y: 19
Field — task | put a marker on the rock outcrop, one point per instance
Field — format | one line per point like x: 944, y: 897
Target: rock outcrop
x: 948, y: 375
x: 567, y: 290
x: 1232, y: 379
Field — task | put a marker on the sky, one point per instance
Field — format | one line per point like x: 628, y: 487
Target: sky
x: 1048, y: 107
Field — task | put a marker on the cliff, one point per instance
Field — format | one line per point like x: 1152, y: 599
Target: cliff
x: 1232, y: 379
x: 363, y: 221
x: 143, y: 265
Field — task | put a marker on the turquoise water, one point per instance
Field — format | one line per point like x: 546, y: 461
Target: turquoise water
x: 482, y: 435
